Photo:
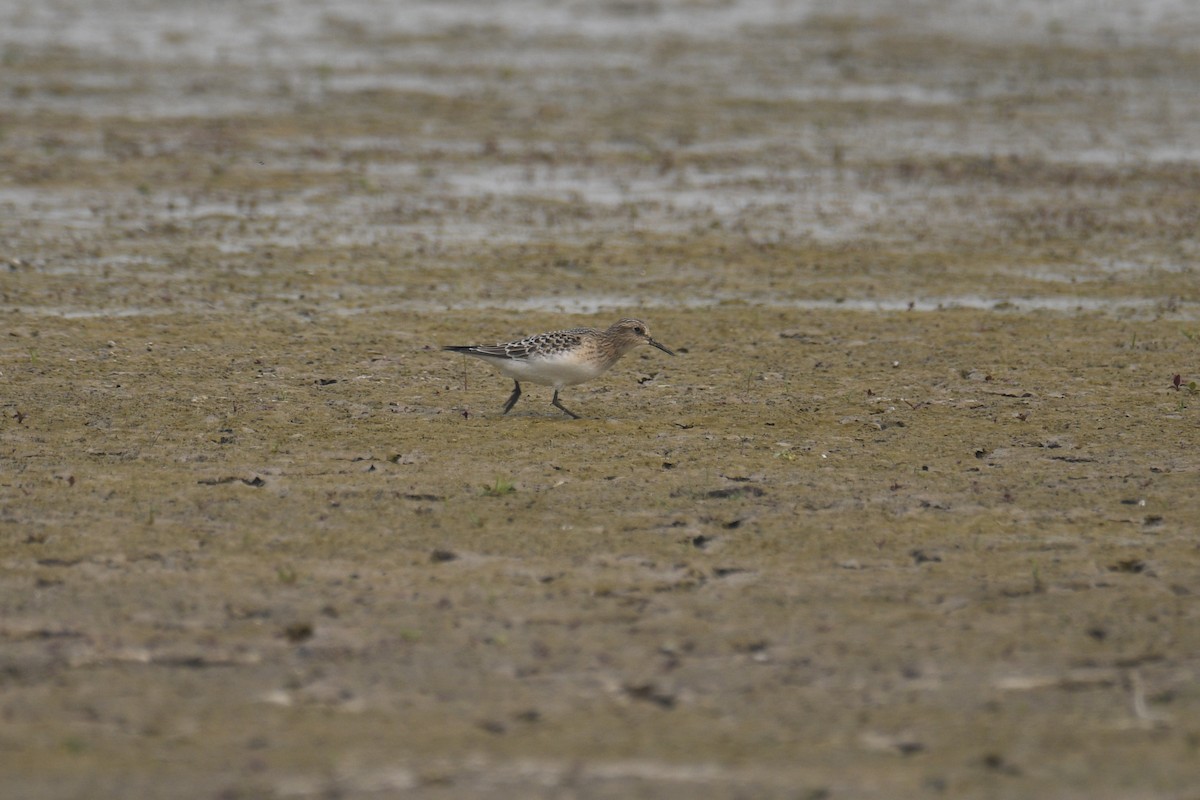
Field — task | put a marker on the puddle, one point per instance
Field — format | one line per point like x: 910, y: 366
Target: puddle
x: 344, y: 304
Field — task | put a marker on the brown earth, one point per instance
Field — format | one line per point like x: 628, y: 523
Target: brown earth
x: 912, y: 513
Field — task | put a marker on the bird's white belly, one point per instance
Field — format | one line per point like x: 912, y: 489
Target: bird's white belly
x: 557, y: 371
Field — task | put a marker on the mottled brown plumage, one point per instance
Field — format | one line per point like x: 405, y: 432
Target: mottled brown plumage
x: 562, y: 358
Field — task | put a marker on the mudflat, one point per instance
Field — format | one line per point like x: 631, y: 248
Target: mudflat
x: 913, y: 512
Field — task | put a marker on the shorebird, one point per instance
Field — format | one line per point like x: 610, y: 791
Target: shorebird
x: 562, y: 358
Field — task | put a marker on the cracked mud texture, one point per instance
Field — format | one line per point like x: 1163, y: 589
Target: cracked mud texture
x: 912, y: 513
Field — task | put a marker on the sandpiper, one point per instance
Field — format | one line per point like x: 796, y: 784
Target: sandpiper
x: 562, y: 358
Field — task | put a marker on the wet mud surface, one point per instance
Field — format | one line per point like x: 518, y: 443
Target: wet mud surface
x: 912, y: 513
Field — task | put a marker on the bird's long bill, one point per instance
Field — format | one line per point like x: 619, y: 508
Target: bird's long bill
x: 665, y: 349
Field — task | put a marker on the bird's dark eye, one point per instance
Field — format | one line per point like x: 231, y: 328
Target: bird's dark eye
x: 640, y: 331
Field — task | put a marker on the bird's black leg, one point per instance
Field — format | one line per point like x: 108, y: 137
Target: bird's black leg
x: 561, y: 407
x: 512, y: 399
